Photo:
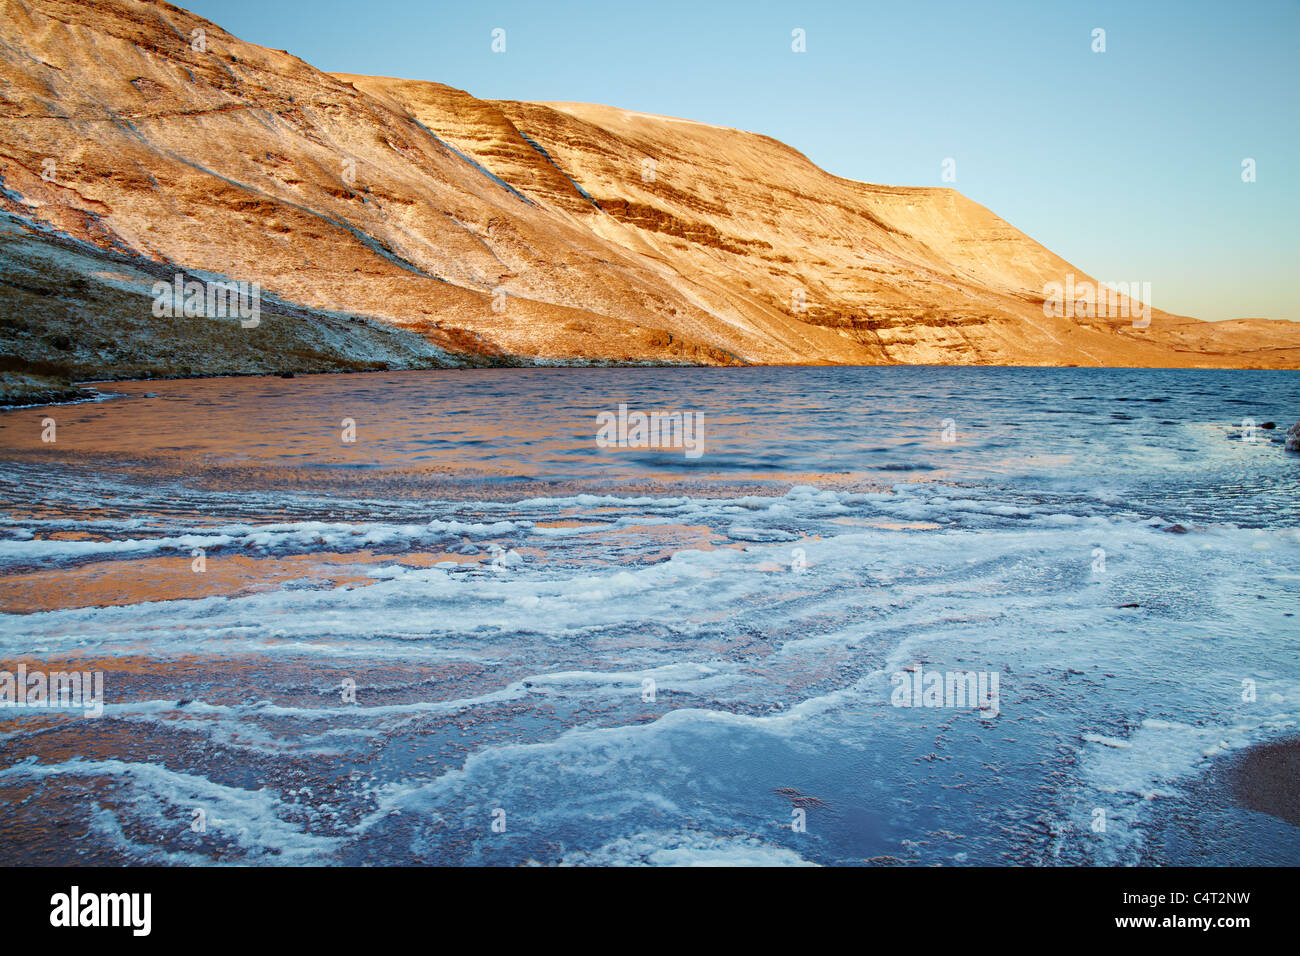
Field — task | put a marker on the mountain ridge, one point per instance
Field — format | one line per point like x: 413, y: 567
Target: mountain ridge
x: 435, y: 228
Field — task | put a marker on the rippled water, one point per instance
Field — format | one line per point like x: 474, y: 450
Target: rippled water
x: 631, y: 655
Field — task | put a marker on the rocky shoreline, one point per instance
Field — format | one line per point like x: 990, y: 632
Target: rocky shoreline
x: 1263, y: 778
x: 20, y: 391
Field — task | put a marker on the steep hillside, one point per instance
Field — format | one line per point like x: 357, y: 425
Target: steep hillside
x: 401, y: 223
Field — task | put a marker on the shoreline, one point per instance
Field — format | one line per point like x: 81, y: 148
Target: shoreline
x: 56, y: 393
x: 81, y: 391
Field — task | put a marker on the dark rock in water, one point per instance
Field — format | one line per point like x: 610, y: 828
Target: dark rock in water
x: 1175, y: 529
x: 807, y: 801
x: 1269, y: 425
x: 1264, y: 778
x: 1293, y: 438
x: 150, y: 394
x: 286, y: 374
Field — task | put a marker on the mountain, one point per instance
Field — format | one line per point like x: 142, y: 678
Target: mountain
x: 395, y: 223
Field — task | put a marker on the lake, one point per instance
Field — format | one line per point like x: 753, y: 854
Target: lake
x: 928, y: 615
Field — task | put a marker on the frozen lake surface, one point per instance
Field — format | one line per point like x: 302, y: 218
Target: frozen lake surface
x: 473, y: 635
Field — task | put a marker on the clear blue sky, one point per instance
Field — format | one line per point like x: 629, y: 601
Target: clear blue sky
x: 1127, y: 163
